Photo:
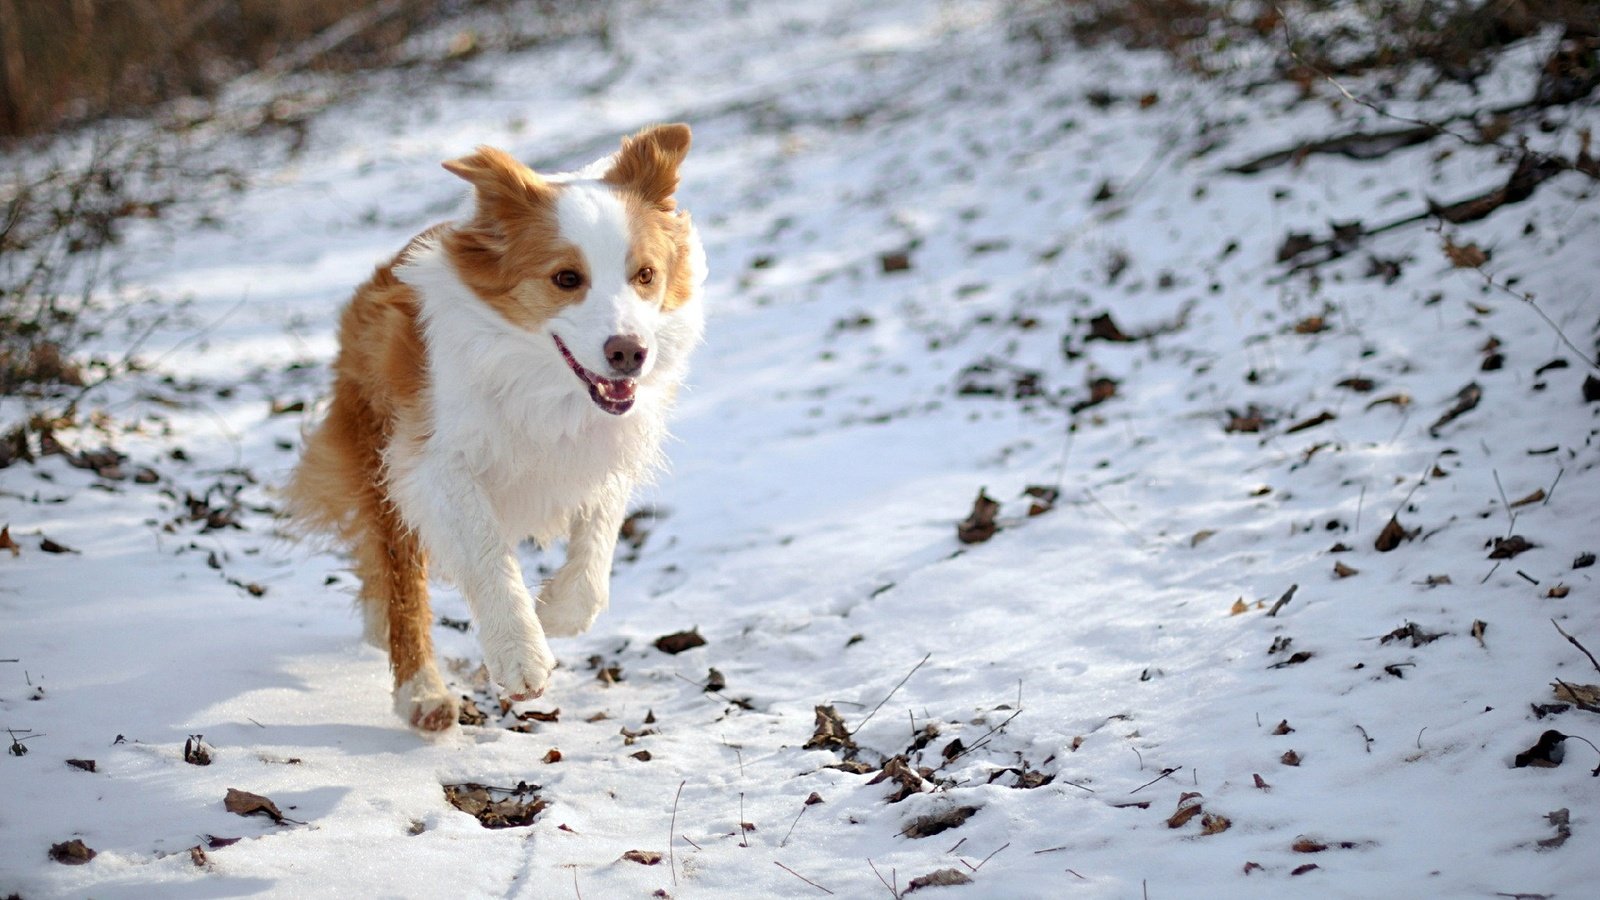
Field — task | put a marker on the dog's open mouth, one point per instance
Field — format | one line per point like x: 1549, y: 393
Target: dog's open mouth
x: 614, y: 395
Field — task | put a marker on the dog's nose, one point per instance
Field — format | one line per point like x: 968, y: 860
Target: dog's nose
x: 626, y: 354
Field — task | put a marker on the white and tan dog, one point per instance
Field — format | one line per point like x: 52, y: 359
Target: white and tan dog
x: 506, y: 376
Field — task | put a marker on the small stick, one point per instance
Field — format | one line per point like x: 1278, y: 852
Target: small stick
x: 893, y: 891
x: 1360, y: 501
x: 801, y: 877
x: 1052, y: 849
x: 1419, y: 737
x: 1505, y: 504
x: 891, y: 694
x: 672, y: 829
x: 575, y: 889
x: 1547, y: 494
x: 1574, y: 642
x: 1283, y: 601
x: 1165, y: 773
x: 796, y: 821
x: 1528, y: 578
x: 1485, y: 578
x: 691, y: 842
x: 957, y: 844
x: 1080, y: 877
x: 990, y: 856
x: 744, y: 836
x: 1366, y: 737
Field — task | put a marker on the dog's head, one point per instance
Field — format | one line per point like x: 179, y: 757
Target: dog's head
x: 599, y: 266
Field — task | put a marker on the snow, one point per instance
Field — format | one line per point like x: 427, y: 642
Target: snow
x: 822, y: 458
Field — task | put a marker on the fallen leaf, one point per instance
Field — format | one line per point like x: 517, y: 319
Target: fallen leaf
x: 1561, y: 819
x: 1200, y: 537
x: 1436, y: 580
x: 1239, y: 607
x: 1413, y: 632
x: 1250, y: 421
x: 1308, y: 424
x: 1466, y: 400
x: 497, y: 807
x: 1391, y: 535
x: 1464, y: 256
x: 714, y: 681
x: 50, y: 546
x: 6, y: 543
x: 216, y: 843
x: 245, y: 803
x: 643, y: 857
x: 197, y: 855
x: 1546, y: 753
x: 830, y: 732
x: 1251, y: 867
x: 1479, y: 627
x: 941, y: 878
x: 1400, y: 400
x: 1214, y: 824
x: 1341, y: 570
x: 1307, y: 845
x: 1591, y: 389
x: 1294, y: 660
x: 898, y: 769
x: 552, y: 756
x: 1581, y: 694
x: 1188, y: 808
x: 1044, y: 498
x: 195, y: 752
x: 1301, y: 870
x: 1311, y: 325
x: 1509, y: 547
x: 979, y: 526
x: 1583, y: 561
x: 1283, y: 728
x: 1532, y: 498
x: 1358, y: 384
x: 71, y: 853
x: 926, y: 826
x: 1558, y: 591
x: 1290, y: 758
x: 680, y: 641
x: 1104, y: 328
x: 1261, y: 783
x: 641, y: 756
x: 86, y: 765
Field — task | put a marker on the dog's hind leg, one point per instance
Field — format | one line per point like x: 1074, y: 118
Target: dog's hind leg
x: 394, y: 596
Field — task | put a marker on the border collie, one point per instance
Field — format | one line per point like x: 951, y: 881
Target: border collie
x: 506, y: 376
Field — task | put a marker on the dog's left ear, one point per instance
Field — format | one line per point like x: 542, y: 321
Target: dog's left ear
x: 648, y: 163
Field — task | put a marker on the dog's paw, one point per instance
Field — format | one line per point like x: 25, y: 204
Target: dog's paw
x: 521, y: 667
x: 566, y: 617
x: 425, y: 704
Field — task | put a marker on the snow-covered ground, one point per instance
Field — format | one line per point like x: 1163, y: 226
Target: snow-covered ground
x: 1069, y: 680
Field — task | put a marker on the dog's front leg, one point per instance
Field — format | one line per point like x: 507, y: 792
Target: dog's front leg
x: 581, y: 588
x: 459, y: 528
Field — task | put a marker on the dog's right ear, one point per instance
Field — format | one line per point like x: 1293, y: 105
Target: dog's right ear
x: 503, y: 184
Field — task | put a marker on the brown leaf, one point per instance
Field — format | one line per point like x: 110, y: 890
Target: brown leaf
x: 1340, y: 570
x: 1308, y: 424
x: 1479, y: 627
x: 1391, y: 535
x: 1546, y: 753
x: 534, y: 715
x: 1466, y: 400
x: 1188, y: 808
x: 497, y: 807
x: 1557, y: 591
x: 1251, y: 867
x: 643, y: 857
x: 1104, y: 328
x: 71, y: 853
x: 1261, y: 783
x: 245, y: 803
x: 1283, y: 728
x: 50, y: 546
x: 1307, y: 845
x: 195, y: 752
x: 898, y: 261
x: 1532, y: 498
x: 1358, y: 384
x: 680, y: 641
x: 1311, y: 325
x: 944, y: 820
x: 197, y: 855
x: 1301, y: 870
x: 641, y: 756
x: 1508, y: 548
x: 941, y: 878
x: 1464, y: 256
x: 1581, y: 694
x: 830, y: 733
x: 6, y: 543
x: 979, y: 526
x: 1290, y: 758
x: 814, y: 799
x: 86, y: 765
x: 1251, y: 421
x: 217, y: 843
x: 552, y: 756
x: 907, y: 779
x: 1239, y: 607
x: 1044, y: 498
x: 1400, y: 399
x: 1200, y: 537
x: 1214, y: 824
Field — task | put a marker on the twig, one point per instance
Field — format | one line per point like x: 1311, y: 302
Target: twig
x: 891, y: 693
x: 801, y: 877
x: 1527, y: 298
x: 1552, y: 492
x: 1053, y: 849
x: 1165, y: 773
x: 1485, y: 578
x: 1366, y: 737
x: 892, y: 889
x: 1505, y: 504
x: 1419, y: 737
x: 575, y: 889
x: 1283, y: 601
x: 785, y: 841
x: 1528, y: 578
x: 672, y: 828
x: 1574, y: 642
x: 1361, y: 500
x: 1114, y: 517
x: 989, y: 857
x: 744, y: 836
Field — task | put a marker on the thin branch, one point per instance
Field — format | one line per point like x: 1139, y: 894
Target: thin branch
x: 891, y: 693
x: 1165, y: 773
x: 672, y: 828
x: 801, y: 877
x: 1574, y: 642
x: 893, y: 891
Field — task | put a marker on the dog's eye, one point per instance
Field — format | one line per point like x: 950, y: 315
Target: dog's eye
x: 568, y: 280
x: 646, y: 275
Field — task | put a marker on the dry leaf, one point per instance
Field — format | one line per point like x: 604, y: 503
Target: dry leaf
x: 830, y: 733
x: 1558, y: 591
x: 1239, y: 607
x: 1261, y: 783
x: 1391, y: 535
x: 899, y: 770
x: 1251, y: 867
x: 641, y: 756
x: 925, y: 826
x: 1290, y: 758
x: 1479, y: 627
x: 197, y: 855
x: 245, y: 803
x: 1400, y: 400
x: 1214, y: 824
x: 1188, y: 808
x: 1307, y: 845
x: 1311, y: 325
x: 680, y: 641
x: 1508, y: 548
x: 1308, y: 424
x: 979, y: 526
x: 6, y: 543
x: 552, y: 756
x: 1546, y: 753
x: 1532, y: 498
x: 814, y: 799
x: 497, y: 807
x: 1340, y: 570
x: 643, y: 857
x: 1464, y: 256
x: 1283, y: 728
x: 941, y: 878
x: 1200, y: 537
x: 1044, y: 498
x: 1581, y: 694
x: 86, y: 765
x: 1301, y: 870
x: 1466, y: 400
x: 71, y: 853
x: 50, y: 546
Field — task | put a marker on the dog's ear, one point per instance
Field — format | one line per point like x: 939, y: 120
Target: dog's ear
x: 500, y: 180
x: 648, y: 163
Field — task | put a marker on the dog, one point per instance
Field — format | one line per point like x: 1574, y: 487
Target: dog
x: 508, y: 375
